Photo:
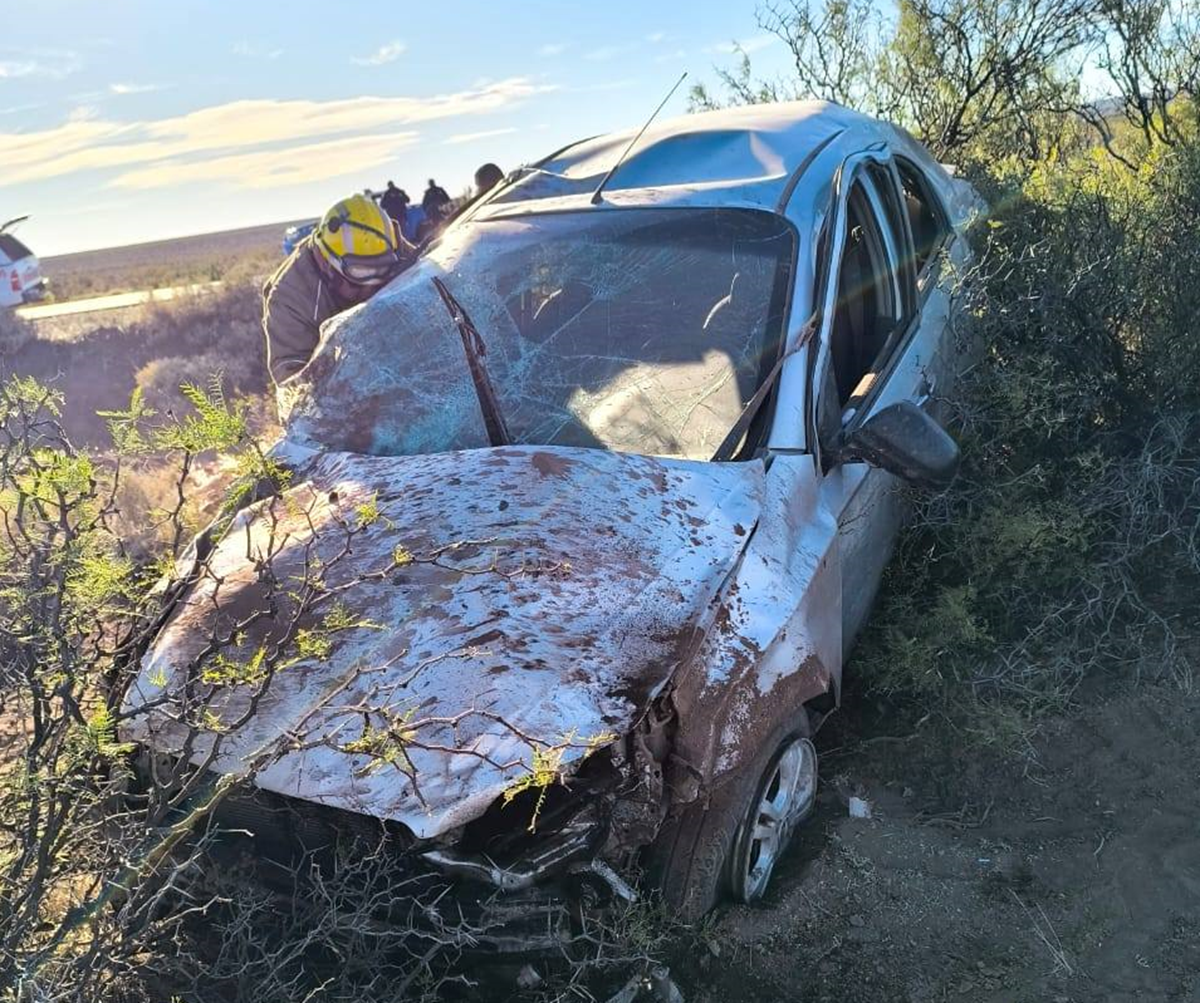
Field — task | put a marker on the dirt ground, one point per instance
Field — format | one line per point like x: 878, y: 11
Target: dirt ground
x: 96, y: 359
x: 1072, y: 876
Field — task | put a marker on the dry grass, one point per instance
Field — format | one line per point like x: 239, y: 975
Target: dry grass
x: 181, y: 340
x: 186, y: 340
x: 15, y: 333
x: 148, y: 493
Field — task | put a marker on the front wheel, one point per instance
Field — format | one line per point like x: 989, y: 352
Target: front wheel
x: 730, y: 842
x: 784, y: 798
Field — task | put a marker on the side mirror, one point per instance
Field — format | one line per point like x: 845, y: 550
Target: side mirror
x: 905, y: 441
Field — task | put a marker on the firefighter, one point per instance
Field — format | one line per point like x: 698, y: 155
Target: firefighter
x: 351, y: 254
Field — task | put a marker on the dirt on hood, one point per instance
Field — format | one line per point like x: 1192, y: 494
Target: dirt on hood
x: 509, y: 598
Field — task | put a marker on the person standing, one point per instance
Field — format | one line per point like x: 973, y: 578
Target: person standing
x: 434, y: 201
x: 395, y: 203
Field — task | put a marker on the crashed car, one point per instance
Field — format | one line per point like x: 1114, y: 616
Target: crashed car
x: 602, y: 489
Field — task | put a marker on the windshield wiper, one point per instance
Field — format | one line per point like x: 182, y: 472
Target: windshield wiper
x: 475, y: 350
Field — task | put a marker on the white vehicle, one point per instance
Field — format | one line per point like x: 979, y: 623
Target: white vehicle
x: 20, y: 277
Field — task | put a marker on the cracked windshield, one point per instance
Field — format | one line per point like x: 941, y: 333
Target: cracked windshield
x: 636, y: 331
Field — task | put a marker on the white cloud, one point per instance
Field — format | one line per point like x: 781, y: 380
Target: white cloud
x: 656, y: 36
x: 128, y: 88
x: 384, y: 54
x: 49, y: 64
x: 83, y: 113
x: 470, y: 137
x: 293, y: 165
x: 553, y: 49
x: 251, y: 51
x: 12, y: 69
x: 670, y: 57
x: 235, y: 128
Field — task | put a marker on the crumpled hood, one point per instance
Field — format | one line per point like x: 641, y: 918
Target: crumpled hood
x: 500, y: 598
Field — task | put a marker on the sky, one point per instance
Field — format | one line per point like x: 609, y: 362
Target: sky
x: 130, y: 120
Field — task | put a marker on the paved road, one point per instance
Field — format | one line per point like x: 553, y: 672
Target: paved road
x: 44, y: 311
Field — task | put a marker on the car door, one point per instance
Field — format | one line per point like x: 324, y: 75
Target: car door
x: 880, y: 343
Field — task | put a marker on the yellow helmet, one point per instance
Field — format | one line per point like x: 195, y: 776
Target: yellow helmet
x: 359, y: 241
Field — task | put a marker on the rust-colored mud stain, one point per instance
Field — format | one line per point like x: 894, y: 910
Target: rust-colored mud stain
x: 487, y: 637
x: 549, y: 465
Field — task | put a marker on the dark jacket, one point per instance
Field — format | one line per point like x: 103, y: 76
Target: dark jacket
x: 395, y: 204
x: 434, y: 200
x: 297, y: 300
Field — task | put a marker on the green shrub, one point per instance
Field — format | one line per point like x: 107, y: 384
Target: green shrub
x: 1069, y: 544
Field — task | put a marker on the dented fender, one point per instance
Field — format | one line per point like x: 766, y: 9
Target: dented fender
x: 775, y: 640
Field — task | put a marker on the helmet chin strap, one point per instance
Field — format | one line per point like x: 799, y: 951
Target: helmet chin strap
x: 349, y: 290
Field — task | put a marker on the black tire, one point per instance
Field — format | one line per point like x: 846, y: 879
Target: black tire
x: 690, y: 857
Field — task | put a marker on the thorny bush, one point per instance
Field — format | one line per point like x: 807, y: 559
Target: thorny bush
x: 115, y: 883
x: 1070, y: 543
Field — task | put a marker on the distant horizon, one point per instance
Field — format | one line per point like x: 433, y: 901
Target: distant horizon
x: 283, y: 224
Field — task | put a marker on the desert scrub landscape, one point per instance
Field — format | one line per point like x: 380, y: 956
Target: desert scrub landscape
x: 99, y: 360
x: 235, y: 256
x: 1019, y: 717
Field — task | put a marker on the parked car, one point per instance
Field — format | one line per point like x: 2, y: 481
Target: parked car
x: 636, y: 452
x: 20, y: 275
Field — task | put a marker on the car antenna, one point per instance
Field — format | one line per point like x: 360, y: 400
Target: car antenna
x: 621, y: 159
x: 13, y: 222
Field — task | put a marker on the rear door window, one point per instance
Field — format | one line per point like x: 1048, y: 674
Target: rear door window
x: 926, y: 218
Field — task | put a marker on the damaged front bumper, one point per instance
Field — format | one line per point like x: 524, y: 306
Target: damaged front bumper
x: 534, y: 874
x: 536, y: 900
x: 571, y: 851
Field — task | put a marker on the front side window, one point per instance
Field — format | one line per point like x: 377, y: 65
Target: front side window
x: 640, y: 331
x: 868, y: 308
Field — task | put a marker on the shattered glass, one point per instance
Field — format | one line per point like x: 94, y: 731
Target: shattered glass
x: 641, y: 331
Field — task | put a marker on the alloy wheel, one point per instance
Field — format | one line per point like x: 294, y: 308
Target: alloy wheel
x: 785, y: 797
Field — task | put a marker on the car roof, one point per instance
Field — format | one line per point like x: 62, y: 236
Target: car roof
x: 754, y: 156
